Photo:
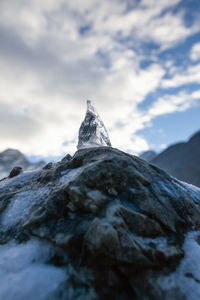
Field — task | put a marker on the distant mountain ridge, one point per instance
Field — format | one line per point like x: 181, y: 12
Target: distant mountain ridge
x: 11, y: 158
x: 148, y: 155
x: 182, y: 160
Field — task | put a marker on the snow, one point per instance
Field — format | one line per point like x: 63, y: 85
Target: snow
x: 177, y: 189
x: 187, y: 275
x: 24, y: 272
x: 160, y: 242
x: 20, y: 206
x: 95, y: 195
x: 19, y: 181
x: 192, y: 190
x: 191, y: 186
x: 92, y: 132
x: 69, y: 175
x: 163, y: 188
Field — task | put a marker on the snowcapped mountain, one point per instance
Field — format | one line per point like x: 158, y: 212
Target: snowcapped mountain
x: 92, y: 132
x: 11, y: 158
x: 182, y: 160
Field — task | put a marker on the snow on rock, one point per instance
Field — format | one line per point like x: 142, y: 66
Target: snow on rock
x: 187, y: 275
x: 20, y: 181
x: 92, y: 132
x: 24, y: 272
x: 68, y: 175
x: 191, y: 189
x: 20, y: 206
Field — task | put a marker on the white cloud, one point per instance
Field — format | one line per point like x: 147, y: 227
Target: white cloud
x: 48, y: 69
x: 183, y: 76
x: 195, y: 52
x: 170, y: 30
x: 173, y: 103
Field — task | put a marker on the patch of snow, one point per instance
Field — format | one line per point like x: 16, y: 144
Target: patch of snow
x: 20, y: 206
x: 191, y: 186
x: 160, y: 242
x: 95, y: 195
x: 25, y: 274
x: 69, y: 175
x: 192, y: 190
x: 177, y: 189
x: 187, y: 275
x: 19, y: 181
x: 164, y: 188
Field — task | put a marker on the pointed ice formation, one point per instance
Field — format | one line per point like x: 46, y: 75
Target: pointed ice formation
x: 92, y: 132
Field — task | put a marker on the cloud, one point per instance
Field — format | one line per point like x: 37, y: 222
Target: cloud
x: 55, y: 54
x: 173, y: 103
x: 15, y: 123
x: 183, y: 76
x: 195, y: 52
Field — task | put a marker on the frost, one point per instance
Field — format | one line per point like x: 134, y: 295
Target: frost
x: 19, y: 181
x: 187, y: 275
x: 69, y: 175
x: 95, y: 195
x: 20, y: 206
x: 160, y: 242
x: 24, y: 273
x: 92, y: 132
x: 192, y: 190
x: 177, y: 188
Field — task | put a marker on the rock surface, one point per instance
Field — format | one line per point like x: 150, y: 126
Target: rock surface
x: 102, y: 224
x: 92, y: 132
x: 11, y: 158
x: 182, y: 160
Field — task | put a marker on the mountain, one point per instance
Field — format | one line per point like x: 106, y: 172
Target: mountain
x: 92, y: 132
x: 182, y: 160
x: 11, y: 158
x: 102, y: 224
x: 148, y: 155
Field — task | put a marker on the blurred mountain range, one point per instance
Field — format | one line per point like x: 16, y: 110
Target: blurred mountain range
x: 148, y: 155
x: 11, y: 158
x: 181, y: 160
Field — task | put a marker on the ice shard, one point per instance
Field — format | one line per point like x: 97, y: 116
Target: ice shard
x: 92, y: 132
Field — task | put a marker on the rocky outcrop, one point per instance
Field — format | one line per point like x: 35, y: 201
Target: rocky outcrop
x: 182, y: 160
x: 102, y: 224
x: 11, y: 158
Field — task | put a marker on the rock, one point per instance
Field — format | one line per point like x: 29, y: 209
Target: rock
x: 102, y: 237
x: 67, y: 158
x: 102, y: 224
x: 48, y: 166
x: 15, y: 171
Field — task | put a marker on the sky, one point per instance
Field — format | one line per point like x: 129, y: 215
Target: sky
x: 138, y: 61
